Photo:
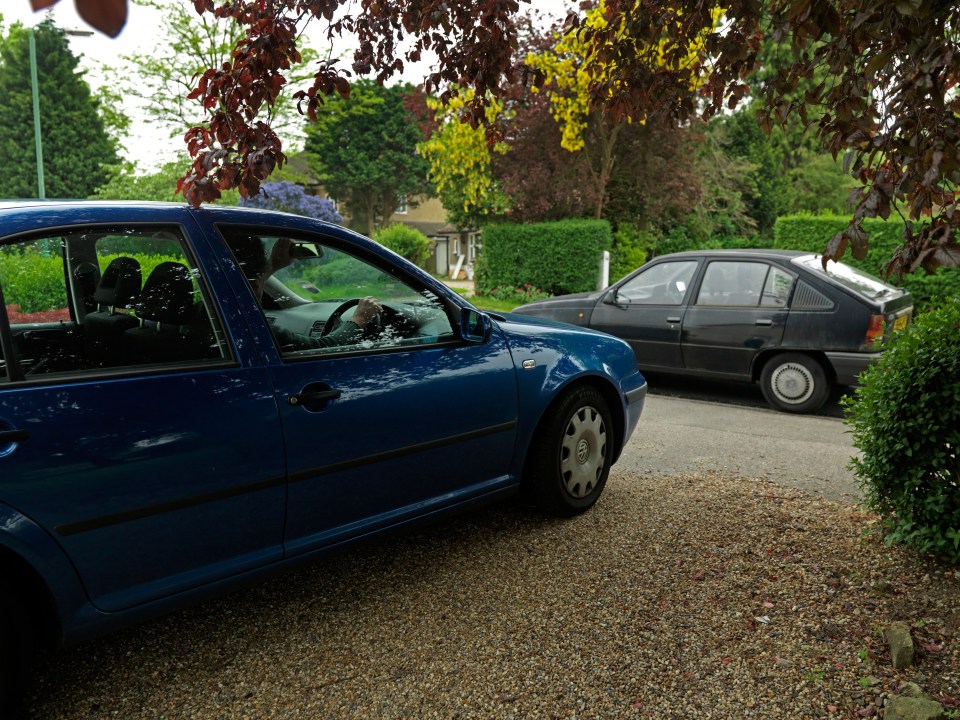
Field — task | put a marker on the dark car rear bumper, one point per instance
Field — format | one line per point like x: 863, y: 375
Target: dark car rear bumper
x: 848, y: 366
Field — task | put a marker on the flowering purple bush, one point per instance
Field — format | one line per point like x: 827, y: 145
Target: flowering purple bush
x: 290, y: 197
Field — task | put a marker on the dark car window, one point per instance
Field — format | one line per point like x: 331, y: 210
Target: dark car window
x: 106, y: 298
x: 662, y: 284
x: 851, y: 278
x: 310, y: 292
x: 733, y: 283
x: 776, y: 291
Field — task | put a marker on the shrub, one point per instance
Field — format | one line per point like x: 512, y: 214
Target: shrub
x: 630, y: 250
x: 557, y: 257
x: 32, y: 280
x: 518, y: 295
x: 289, y: 197
x: 405, y: 241
x: 906, y: 422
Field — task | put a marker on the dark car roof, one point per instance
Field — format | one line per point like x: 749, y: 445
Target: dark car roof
x: 758, y: 253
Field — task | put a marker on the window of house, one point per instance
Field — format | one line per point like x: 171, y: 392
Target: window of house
x: 402, y: 205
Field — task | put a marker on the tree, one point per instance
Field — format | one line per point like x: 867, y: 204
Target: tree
x: 363, y: 150
x: 542, y: 180
x: 125, y: 182
x: 74, y: 142
x: 459, y: 160
x: 162, y: 77
x: 888, y: 102
x: 289, y: 197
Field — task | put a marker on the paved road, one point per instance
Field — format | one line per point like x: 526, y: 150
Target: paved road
x: 678, y: 435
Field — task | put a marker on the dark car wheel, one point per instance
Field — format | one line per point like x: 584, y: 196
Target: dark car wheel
x: 16, y: 658
x: 570, y: 456
x: 794, y: 383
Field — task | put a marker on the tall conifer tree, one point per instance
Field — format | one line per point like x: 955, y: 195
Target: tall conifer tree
x: 74, y: 141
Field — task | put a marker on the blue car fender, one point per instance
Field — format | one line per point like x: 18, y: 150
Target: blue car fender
x: 33, y: 563
x: 547, y: 362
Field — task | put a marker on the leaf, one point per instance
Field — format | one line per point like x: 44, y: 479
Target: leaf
x: 107, y: 16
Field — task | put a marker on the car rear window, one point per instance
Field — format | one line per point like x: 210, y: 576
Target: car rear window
x: 856, y: 280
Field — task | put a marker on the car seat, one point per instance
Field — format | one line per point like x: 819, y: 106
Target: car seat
x: 169, y: 325
x: 117, y: 292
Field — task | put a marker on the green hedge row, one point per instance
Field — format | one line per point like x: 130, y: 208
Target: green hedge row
x: 811, y: 233
x: 555, y: 257
x: 34, y: 282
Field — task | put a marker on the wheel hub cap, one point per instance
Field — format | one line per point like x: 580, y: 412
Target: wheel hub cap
x: 792, y: 383
x: 583, y: 452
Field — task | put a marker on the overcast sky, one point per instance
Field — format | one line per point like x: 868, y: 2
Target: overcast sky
x: 149, y: 146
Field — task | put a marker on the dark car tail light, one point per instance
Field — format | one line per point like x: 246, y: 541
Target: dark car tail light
x: 875, y: 331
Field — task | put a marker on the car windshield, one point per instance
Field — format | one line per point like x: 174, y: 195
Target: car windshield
x: 848, y: 276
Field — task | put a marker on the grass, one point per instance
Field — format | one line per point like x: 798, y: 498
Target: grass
x: 490, y: 304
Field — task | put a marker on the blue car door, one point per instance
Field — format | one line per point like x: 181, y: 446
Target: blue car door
x: 154, y: 458
x: 386, y: 426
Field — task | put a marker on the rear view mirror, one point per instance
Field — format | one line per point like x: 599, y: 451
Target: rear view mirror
x: 475, y: 326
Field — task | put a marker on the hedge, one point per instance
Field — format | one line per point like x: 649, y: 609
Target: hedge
x: 35, y: 282
x: 555, y: 257
x: 811, y: 233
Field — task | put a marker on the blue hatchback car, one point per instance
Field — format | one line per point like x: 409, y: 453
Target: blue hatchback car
x: 190, y: 398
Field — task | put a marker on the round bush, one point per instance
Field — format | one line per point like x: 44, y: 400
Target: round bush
x: 406, y: 241
x: 906, y: 422
x: 289, y: 197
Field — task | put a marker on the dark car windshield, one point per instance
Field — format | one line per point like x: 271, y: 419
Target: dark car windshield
x: 848, y: 276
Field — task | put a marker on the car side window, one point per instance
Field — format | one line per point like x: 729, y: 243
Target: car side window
x: 776, y: 291
x: 663, y: 284
x: 319, y: 299
x: 733, y: 284
x: 107, y: 297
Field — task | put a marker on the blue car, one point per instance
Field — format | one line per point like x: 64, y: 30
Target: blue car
x: 191, y: 398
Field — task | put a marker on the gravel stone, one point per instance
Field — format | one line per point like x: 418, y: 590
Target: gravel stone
x: 687, y: 596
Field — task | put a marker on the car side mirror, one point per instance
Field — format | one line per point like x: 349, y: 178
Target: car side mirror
x: 475, y: 326
x: 613, y: 298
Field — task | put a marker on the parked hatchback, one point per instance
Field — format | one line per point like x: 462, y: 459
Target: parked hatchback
x: 770, y: 316
x: 191, y: 398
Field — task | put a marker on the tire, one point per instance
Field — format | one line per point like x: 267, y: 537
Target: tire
x: 16, y: 656
x: 795, y: 383
x: 570, y: 455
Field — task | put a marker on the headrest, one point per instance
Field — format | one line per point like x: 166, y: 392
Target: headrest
x: 167, y: 296
x: 119, y: 285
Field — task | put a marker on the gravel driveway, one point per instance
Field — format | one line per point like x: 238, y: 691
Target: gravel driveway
x: 683, y: 596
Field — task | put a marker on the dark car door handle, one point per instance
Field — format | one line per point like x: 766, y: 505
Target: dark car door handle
x: 765, y: 322
x: 673, y: 320
x: 310, y: 397
x: 13, y: 436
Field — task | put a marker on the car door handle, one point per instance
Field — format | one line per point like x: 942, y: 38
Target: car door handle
x: 14, y: 436
x: 764, y: 322
x: 673, y: 320
x: 312, y: 397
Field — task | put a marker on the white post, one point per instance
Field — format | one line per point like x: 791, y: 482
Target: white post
x: 604, y: 270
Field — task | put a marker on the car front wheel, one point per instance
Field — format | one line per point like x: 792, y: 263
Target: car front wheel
x: 570, y: 455
x: 794, y: 383
x: 16, y: 658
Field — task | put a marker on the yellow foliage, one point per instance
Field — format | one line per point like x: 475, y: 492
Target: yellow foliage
x: 459, y: 157
x: 572, y: 68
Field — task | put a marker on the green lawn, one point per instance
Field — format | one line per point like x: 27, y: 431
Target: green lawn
x: 489, y: 303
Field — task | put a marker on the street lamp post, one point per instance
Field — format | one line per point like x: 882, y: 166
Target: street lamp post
x: 35, y: 91
x: 36, y: 114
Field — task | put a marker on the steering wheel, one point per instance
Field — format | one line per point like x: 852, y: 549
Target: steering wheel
x: 336, y: 317
x: 386, y: 316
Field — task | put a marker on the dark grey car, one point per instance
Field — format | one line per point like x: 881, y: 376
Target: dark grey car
x: 769, y: 316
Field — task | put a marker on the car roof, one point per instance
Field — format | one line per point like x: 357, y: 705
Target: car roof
x: 754, y: 253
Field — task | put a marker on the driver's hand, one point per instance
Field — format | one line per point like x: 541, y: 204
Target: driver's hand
x: 366, y: 311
